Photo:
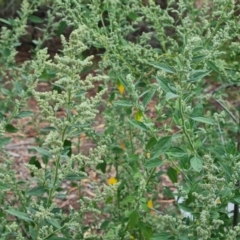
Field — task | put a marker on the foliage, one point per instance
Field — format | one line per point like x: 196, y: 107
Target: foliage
x: 160, y: 117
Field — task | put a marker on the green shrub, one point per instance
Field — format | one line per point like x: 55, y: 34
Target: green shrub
x: 164, y: 105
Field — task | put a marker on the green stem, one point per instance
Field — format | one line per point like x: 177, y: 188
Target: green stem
x: 183, y: 125
x: 56, y: 173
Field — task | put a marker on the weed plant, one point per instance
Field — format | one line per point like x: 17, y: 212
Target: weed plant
x: 166, y: 106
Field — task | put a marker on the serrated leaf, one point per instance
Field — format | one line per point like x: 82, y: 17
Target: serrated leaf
x: 4, y: 141
x: 133, y: 219
x: 196, y: 164
x: 35, y: 19
x: 161, y: 147
x: 137, y: 124
x: 153, y: 162
x: 42, y: 151
x: 24, y: 114
x: 147, y: 98
x: 198, y: 75
x: 172, y: 174
x: 36, y: 191
x: 10, y: 128
x: 19, y: 214
x: 123, y: 103
x: 54, y: 222
x: 203, y: 120
x: 151, y: 143
x: 164, y: 67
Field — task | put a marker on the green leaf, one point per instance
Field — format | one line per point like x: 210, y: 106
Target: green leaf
x: 128, y: 199
x: 196, y: 164
x: 6, y: 52
x: 48, y: 129
x: 198, y: 75
x: 10, y: 128
x: 133, y: 219
x: 4, y: 141
x: 35, y: 19
x: 54, y: 222
x: 161, y: 236
x: 62, y: 26
x: 162, y: 146
x: 176, y: 152
x: 203, y: 120
x: 3, y: 186
x: 213, y: 66
x: 154, y: 162
x: 117, y: 150
x: 164, y: 84
x: 171, y: 95
x: 147, y: 98
x: 33, y: 161
x: 5, y: 21
x: 24, y: 114
x: 172, y: 174
x: 123, y: 103
x: 236, y: 200
x: 36, y: 191
x: 151, y: 143
x: 102, y: 166
x: 146, y: 230
x: 67, y: 145
x: 137, y: 124
x: 42, y: 151
x: 75, y: 176
x: 133, y: 16
x: 57, y: 238
x: 198, y: 58
x: 19, y: 214
x: 164, y: 67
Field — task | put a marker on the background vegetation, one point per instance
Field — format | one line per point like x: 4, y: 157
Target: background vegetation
x: 152, y: 88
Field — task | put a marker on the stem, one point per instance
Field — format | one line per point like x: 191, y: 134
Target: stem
x: 56, y: 173
x: 150, y: 176
x: 183, y: 125
x: 131, y: 137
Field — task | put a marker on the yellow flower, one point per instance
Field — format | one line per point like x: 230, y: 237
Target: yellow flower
x: 112, y: 181
x: 150, y: 203
x: 121, y: 88
x: 138, y: 116
x: 148, y: 154
x: 218, y: 201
